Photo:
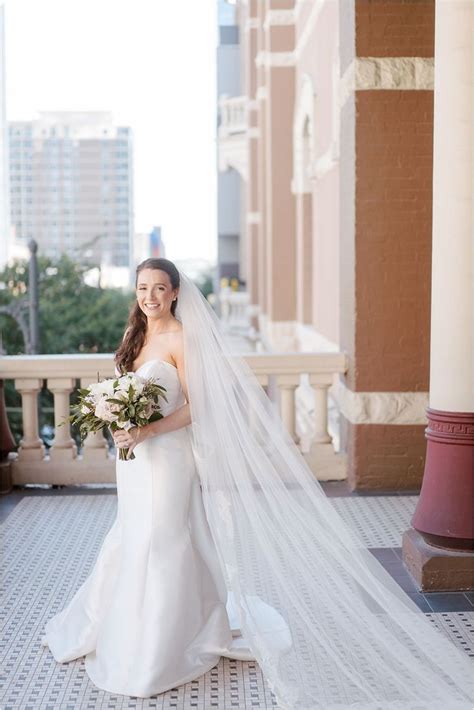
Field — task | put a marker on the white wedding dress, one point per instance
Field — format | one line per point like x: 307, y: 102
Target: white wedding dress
x: 154, y: 612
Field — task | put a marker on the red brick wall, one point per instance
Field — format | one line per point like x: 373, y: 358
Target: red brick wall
x: 394, y: 154
x: 394, y: 28
x: 385, y: 456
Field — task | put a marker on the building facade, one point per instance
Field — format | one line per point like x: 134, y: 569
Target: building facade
x: 335, y: 152
x: 71, y: 186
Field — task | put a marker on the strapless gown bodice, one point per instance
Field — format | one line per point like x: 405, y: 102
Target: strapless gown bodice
x: 166, y: 375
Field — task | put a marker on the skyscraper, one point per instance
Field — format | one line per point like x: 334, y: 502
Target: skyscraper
x: 71, y: 186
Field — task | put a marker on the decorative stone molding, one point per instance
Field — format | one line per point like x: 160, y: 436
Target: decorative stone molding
x: 251, y: 23
x: 303, y: 137
x: 233, y: 113
x: 279, y: 17
x: 261, y: 93
x: 232, y: 153
x: 380, y: 407
x: 315, y: 169
x: 253, y: 217
x: 412, y: 73
x: 275, y: 59
x: 311, y: 340
x: 232, y: 135
x: 450, y: 427
x: 347, y: 85
x: 376, y: 73
x: 325, y: 163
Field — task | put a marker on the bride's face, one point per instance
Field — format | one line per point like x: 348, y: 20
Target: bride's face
x: 155, y: 293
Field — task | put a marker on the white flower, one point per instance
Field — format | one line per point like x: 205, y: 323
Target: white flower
x: 100, y: 388
x: 107, y: 411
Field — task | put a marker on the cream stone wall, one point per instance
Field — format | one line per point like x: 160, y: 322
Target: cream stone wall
x: 317, y: 81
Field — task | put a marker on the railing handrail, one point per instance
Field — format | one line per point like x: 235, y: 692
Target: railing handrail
x: 88, y: 364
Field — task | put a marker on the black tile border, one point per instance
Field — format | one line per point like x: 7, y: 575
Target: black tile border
x: 438, y: 602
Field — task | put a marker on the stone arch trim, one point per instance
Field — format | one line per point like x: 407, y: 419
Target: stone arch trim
x: 303, y: 136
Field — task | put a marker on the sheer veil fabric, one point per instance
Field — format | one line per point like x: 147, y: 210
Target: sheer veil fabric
x: 328, y: 625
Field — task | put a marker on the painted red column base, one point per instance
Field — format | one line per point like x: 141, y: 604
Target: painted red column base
x: 445, y: 512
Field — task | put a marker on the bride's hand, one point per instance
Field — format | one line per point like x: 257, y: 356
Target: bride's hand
x: 129, y: 439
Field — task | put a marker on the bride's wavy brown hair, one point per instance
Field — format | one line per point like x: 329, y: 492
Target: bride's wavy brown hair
x: 135, y: 331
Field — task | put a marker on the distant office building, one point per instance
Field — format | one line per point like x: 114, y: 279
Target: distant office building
x: 71, y: 186
x: 149, y: 244
x: 4, y: 211
x: 229, y: 258
x: 156, y: 243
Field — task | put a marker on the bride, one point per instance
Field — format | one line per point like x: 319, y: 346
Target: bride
x: 224, y: 544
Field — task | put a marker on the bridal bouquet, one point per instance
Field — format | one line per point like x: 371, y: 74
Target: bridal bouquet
x: 120, y: 403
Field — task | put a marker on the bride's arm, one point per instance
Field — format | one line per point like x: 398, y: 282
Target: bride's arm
x: 182, y: 416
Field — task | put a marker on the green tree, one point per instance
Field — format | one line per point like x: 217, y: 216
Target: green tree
x: 73, y: 318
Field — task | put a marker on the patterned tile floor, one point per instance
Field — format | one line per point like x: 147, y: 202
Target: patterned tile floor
x: 34, y: 519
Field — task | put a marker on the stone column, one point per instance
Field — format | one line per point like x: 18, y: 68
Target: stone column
x: 444, y: 517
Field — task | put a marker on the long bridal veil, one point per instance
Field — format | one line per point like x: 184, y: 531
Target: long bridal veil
x: 327, y: 624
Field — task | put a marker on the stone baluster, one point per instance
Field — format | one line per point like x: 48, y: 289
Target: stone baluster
x: 95, y: 449
x: 31, y: 446
x: 321, y: 434
x: 325, y: 463
x: 63, y: 446
x: 287, y: 385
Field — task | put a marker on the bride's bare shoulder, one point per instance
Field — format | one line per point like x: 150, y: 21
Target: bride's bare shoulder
x: 177, y: 344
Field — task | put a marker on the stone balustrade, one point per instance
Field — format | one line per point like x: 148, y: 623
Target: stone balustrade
x: 236, y: 310
x: 279, y: 374
x: 233, y: 112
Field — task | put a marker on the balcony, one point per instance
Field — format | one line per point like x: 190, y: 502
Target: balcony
x: 232, y: 134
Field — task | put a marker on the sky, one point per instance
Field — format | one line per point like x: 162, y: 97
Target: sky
x: 152, y: 64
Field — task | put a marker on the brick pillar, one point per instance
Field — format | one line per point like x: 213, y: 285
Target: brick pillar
x: 385, y: 218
